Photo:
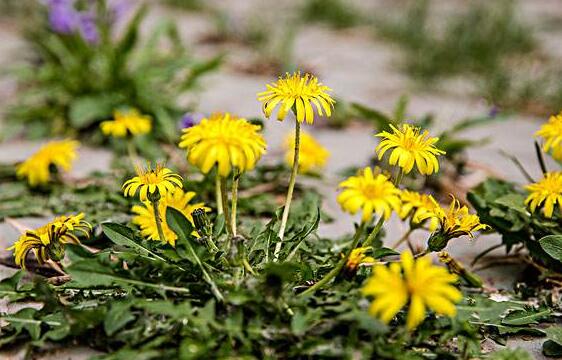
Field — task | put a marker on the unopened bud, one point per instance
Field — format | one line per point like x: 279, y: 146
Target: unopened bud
x: 202, y: 223
x: 55, y: 251
x: 437, y: 241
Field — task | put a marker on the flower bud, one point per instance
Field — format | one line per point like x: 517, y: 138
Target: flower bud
x: 55, y: 251
x: 437, y: 241
x: 202, y: 223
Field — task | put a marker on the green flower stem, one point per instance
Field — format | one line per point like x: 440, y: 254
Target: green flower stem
x: 379, y: 224
x: 374, y: 233
x: 336, y: 270
x: 218, y: 193
x: 399, y: 177
x: 206, y: 276
x: 224, y: 199
x: 234, y: 201
x: 289, y: 198
x: 158, y: 220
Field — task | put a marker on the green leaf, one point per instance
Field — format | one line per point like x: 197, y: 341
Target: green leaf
x: 9, y: 287
x: 124, y: 236
x: 178, y: 311
x: 218, y: 227
x: 513, y: 201
x: 90, y: 273
x: 300, y: 236
x: 382, y: 252
x: 57, y: 332
x: 552, y: 349
x: 117, y: 317
x: 552, y: 245
x: 380, y: 120
x: 183, y: 229
x: 554, y: 333
x: 25, y: 319
x: 130, y: 36
x: 399, y: 113
x: 179, y: 223
x: 524, y: 317
x: 510, y: 354
x: 84, y: 111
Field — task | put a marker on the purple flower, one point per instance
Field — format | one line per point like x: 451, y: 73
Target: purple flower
x: 63, y: 17
x: 494, y: 111
x: 190, y: 119
x: 89, y: 27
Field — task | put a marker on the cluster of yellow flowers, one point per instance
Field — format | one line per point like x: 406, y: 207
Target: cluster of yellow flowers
x: 230, y: 146
x: 158, y: 188
x: 413, y: 282
x: 547, y: 192
x: 47, y: 241
x: 55, y: 154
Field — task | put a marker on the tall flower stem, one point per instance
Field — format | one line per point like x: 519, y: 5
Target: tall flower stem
x: 336, y: 270
x: 234, y: 201
x: 158, y: 220
x: 224, y: 200
x: 218, y: 193
x: 374, y: 232
x: 289, y: 198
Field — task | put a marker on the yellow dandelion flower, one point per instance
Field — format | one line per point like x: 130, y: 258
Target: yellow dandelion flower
x: 177, y: 199
x: 152, y: 183
x: 369, y: 193
x: 36, y: 168
x: 47, y: 241
x: 416, y: 283
x: 312, y: 156
x: 409, y: 147
x: 419, y: 207
x: 126, y: 122
x: 299, y: 93
x: 223, y: 140
x: 358, y: 257
x: 453, y: 223
x: 551, y: 132
x: 548, y: 191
